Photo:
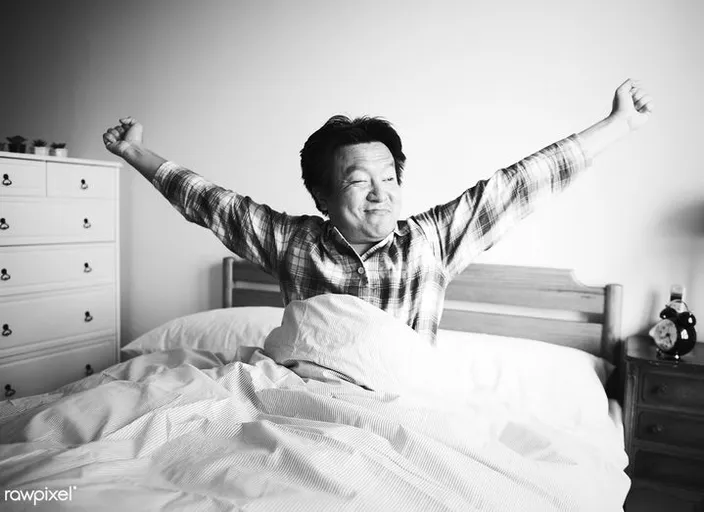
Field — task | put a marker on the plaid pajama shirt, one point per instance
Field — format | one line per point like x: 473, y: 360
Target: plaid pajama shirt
x: 405, y: 274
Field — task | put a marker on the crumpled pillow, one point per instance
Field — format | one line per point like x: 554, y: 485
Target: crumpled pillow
x: 354, y: 338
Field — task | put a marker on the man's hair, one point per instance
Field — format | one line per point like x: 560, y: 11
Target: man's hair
x: 318, y: 153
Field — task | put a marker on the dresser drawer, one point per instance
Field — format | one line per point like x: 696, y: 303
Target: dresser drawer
x: 55, y: 316
x: 672, y: 470
x: 22, y: 177
x: 670, y: 429
x: 45, y: 373
x: 80, y: 181
x: 50, y: 221
x: 28, y: 268
x: 673, y: 390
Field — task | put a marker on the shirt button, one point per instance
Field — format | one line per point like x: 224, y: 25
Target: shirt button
x: 360, y: 271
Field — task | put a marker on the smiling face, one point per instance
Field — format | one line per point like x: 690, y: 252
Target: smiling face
x: 365, y: 202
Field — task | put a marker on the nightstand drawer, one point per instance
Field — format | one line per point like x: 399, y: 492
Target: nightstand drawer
x: 61, y: 315
x: 80, y: 181
x: 670, y: 469
x: 22, y: 177
x: 646, y: 499
x: 28, y: 268
x: 670, y: 429
x: 45, y: 373
x: 673, y: 390
x: 50, y: 221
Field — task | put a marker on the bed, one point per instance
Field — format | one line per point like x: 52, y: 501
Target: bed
x: 331, y: 404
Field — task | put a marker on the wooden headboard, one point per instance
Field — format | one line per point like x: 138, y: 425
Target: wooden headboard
x: 538, y: 303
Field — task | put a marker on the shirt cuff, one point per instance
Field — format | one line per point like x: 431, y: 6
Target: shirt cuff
x: 585, y: 159
x: 163, y: 173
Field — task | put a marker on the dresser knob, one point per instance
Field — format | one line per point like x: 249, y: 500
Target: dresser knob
x: 661, y: 389
x: 9, y: 391
x: 84, y: 185
x: 656, y: 429
x: 87, y: 268
x: 6, y: 180
x: 89, y: 370
x: 86, y: 223
x: 4, y: 276
x: 6, y: 331
x: 4, y: 224
x: 88, y: 317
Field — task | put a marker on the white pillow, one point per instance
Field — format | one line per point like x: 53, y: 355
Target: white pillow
x: 560, y: 385
x: 350, y: 336
x: 221, y: 331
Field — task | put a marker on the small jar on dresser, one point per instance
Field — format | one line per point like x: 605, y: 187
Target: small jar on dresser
x: 664, y: 428
x: 59, y: 271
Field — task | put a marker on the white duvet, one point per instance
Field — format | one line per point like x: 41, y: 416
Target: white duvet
x: 183, y: 430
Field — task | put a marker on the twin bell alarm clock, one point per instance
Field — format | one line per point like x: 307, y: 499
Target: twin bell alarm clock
x: 674, y: 334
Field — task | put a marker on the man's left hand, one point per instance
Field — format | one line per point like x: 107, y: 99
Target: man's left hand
x: 632, y: 104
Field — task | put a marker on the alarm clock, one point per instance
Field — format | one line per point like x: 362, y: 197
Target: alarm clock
x: 674, y: 334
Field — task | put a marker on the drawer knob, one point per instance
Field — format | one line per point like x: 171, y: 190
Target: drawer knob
x: 6, y: 331
x: 4, y: 276
x: 6, y: 180
x: 656, y: 429
x: 9, y: 391
x: 89, y: 370
x: 87, y: 268
x: 86, y: 223
x: 84, y: 185
x: 88, y: 317
x: 4, y: 224
x: 661, y: 389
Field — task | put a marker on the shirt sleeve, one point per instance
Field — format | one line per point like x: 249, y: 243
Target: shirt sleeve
x: 463, y: 228
x: 252, y: 231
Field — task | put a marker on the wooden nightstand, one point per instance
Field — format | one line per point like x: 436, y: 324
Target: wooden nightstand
x: 664, y: 428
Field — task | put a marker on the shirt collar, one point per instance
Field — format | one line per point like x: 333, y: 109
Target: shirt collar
x: 331, y: 232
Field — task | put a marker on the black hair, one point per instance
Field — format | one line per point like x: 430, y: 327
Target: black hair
x: 318, y: 153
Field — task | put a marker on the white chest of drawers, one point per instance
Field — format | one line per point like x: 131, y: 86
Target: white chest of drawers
x: 59, y: 271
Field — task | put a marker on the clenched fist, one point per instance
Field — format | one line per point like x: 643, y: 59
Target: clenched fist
x: 121, y: 138
x: 632, y: 104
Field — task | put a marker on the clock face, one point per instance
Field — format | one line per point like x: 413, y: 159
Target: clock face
x: 665, y: 334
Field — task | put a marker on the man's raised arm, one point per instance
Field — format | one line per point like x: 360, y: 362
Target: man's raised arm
x: 253, y: 231
x: 479, y: 217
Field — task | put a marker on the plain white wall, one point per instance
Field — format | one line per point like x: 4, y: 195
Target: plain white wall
x: 233, y: 89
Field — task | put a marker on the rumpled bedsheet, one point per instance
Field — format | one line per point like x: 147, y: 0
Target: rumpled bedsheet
x: 185, y: 430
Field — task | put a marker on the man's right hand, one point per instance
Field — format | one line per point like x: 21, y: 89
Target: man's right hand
x: 123, y: 137
x: 125, y: 141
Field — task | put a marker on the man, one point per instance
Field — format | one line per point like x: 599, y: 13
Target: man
x: 353, y: 170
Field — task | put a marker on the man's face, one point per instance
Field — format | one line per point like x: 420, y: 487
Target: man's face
x: 365, y: 202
